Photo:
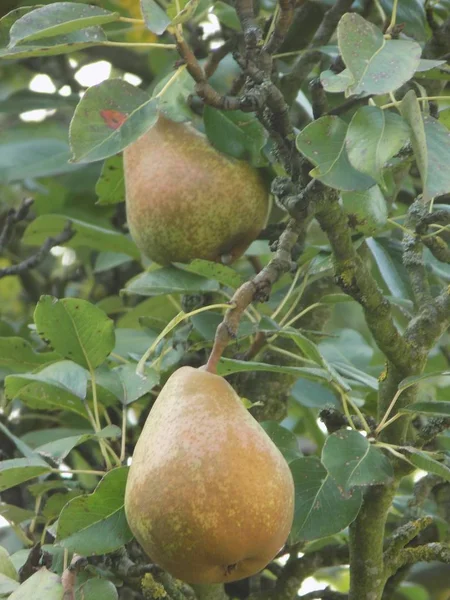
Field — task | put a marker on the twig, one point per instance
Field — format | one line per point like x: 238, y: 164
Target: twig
x: 304, y: 64
x: 13, y: 216
x: 33, y: 261
x: 257, y: 288
x: 426, y: 553
x: 217, y: 55
x: 326, y: 594
x: 403, y: 535
x: 69, y: 576
x: 284, y: 20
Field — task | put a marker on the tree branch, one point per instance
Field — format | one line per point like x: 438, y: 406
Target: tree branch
x: 426, y: 553
x: 33, y: 261
x: 304, y: 64
x: 13, y: 216
x: 403, y: 535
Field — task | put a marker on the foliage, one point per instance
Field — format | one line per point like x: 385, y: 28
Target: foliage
x: 349, y: 352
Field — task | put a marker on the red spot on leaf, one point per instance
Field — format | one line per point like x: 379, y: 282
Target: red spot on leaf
x: 113, y: 118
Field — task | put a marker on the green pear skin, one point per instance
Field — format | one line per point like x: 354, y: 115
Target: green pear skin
x: 209, y: 496
x: 186, y: 200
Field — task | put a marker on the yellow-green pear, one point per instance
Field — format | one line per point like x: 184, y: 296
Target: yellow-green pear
x: 186, y: 200
x: 209, y: 496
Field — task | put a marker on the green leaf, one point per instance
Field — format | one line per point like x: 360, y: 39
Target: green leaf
x: 323, y: 143
x: 59, y: 449
x: 44, y: 393
x: 57, y: 502
x: 132, y: 385
x: 77, y: 329
x: 227, y: 15
x: 423, y: 461
x: 173, y: 100
x: 110, y: 187
x: 186, y: 13
x: 321, y: 508
x: 212, y: 270
x: 97, y: 589
x: 61, y: 44
x: 32, y: 152
x: 336, y: 83
x: 105, y: 261
x: 42, y: 585
x: 411, y: 14
x: 284, y: 440
x: 379, y: 66
x: 109, y: 117
x: 352, y: 461
x: 227, y: 366
x: 415, y: 379
x: 18, y: 355
x: 15, y: 514
x: 58, y: 19
x: 7, y: 586
x: 87, y: 234
x: 6, y: 566
x: 314, y: 395
x: 366, y: 210
x: 17, y: 470
x: 438, y: 152
x: 96, y: 524
x: 410, y: 111
x: 154, y: 16
x: 391, y: 268
x: 373, y: 137
x: 170, y: 280
x: 236, y: 133
x: 26, y: 100
x: 430, y: 408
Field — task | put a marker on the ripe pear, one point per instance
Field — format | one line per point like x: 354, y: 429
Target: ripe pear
x: 186, y: 200
x: 209, y: 496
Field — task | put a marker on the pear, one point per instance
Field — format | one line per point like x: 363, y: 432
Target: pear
x: 186, y: 200
x: 209, y: 496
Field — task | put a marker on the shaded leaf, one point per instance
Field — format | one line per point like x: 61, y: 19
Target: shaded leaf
x: 323, y: 143
x: 96, y: 524
x: 169, y: 280
x: 87, y: 234
x: 59, y: 18
x: 18, y: 355
x: 321, y: 509
x: 110, y: 187
x: 59, y: 449
x: 284, y: 440
x: 213, y: 270
x: 373, y: 137
x: 236, y: 133
x: 42, y: 585
x: 154, y: 16
x: 433, y: 409
x: 352, y: 461
x: 61, y: 44
x: 366, y: 210
x: 424, y: 461
x: 18, y: 470
x: 410, y: 111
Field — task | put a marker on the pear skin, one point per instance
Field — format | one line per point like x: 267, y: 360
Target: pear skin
x: 186, y: 200
x: 209, y: 496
